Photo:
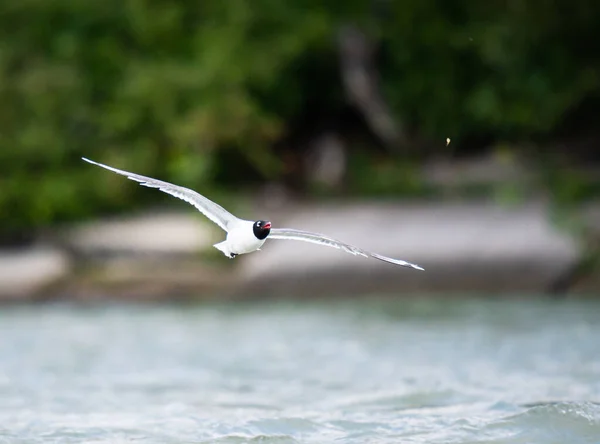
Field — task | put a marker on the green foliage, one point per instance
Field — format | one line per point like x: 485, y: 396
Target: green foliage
x: 462, y: 67
x: 161, y: 87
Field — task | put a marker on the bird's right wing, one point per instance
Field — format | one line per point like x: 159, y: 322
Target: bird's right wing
x: 321, y: 239
x: 211, y: 210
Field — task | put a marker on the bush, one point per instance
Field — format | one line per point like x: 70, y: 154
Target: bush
x: 162, y: 87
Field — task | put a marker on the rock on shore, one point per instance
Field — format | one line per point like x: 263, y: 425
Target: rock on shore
x: 463, y: 247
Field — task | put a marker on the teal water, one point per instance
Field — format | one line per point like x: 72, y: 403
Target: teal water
x: 368, y: 371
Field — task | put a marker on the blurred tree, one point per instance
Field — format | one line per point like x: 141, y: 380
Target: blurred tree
x: 169, y: 88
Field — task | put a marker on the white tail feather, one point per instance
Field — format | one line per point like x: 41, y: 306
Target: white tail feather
x: 222, y: 247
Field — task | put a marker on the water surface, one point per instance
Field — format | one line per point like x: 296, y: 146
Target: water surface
x: 368, y: 371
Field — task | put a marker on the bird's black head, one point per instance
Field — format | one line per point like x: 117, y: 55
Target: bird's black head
x: 261, y: 229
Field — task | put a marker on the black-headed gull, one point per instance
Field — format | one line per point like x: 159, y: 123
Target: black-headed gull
x: 245, y: 236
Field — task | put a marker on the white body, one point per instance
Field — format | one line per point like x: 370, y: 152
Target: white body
x: 240, y: 239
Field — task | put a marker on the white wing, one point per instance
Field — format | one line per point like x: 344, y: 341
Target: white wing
x: 320, y: 239
x: 211, y: 210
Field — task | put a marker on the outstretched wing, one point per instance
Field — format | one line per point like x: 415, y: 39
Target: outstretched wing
x: 211, y: 210
x: 320, y: 239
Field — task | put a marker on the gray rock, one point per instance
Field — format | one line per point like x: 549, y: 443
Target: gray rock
x: 462, y: 246
x: 144, y: 257
x: 24, y: 273
x: 183, y: 233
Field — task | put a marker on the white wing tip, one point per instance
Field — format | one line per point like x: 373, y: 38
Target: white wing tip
x: 411, y: 265
x: 89, y: 161
x: 397, y: 261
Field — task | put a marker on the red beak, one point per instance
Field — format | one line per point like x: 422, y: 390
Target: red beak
x: 267, y: 226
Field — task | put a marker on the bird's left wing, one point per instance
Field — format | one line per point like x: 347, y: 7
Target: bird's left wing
x: 210, y: 209
x: 321, y: 239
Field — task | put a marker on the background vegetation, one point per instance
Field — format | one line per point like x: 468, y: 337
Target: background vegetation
x: 216, y: 93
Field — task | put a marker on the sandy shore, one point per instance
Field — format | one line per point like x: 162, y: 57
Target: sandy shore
x: 464, y: 247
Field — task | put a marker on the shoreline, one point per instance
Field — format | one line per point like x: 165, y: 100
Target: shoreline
x: 466, y: 247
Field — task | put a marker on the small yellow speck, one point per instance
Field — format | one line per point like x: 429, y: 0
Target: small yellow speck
x: 447, y: 141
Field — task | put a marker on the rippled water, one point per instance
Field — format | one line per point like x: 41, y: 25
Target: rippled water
x: 369, y: 371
